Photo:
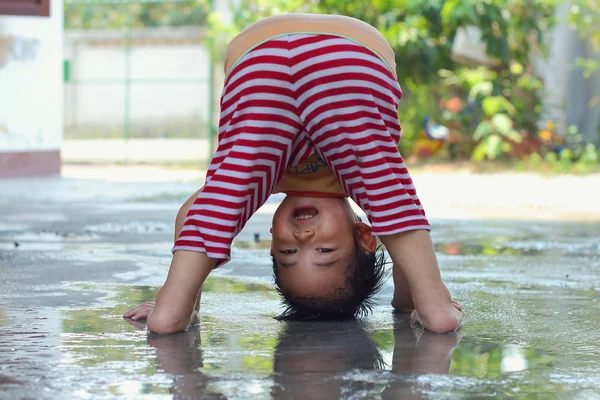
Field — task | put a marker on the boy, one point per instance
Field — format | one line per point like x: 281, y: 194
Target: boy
x: 314, y: 93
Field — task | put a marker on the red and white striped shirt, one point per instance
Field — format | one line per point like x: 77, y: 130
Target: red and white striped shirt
x: 288, y: 98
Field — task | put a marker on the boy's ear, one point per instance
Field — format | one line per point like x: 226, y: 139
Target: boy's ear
x: 366, y: 240
x: 271, y: 250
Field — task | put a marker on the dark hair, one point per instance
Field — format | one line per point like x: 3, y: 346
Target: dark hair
x: 365, y: 277
x: 348, y: 342
x: 312, y: 359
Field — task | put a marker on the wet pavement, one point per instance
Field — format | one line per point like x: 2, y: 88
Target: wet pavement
x: 76, y: 254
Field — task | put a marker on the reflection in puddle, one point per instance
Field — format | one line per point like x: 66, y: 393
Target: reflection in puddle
x: 43, y: 240
x: 486, y: 359
x: 530, y: 330
x: 297, y: 360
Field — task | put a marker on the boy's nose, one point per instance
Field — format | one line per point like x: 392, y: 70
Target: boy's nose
x: 304, y: 233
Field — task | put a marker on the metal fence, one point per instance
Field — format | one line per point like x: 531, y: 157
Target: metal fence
x: 136, y: 92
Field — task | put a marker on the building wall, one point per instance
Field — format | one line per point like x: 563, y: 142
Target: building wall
x: 168, y: 69
x: 31, y: 102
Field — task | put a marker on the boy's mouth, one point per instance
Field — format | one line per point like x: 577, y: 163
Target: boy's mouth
x: 304, y: 213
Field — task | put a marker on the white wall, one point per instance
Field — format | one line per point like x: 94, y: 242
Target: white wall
x: 87, y: 102
x: 31, y: 90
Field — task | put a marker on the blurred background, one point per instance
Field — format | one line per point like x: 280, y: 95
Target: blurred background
x: 123, y: 96
x: 494, y: 84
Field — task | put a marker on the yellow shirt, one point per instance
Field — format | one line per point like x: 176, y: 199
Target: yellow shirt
x: 337, y: 25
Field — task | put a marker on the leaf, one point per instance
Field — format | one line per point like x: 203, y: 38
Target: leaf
x: 479, y: 152
x: 481, y: 88
x: 503, y: 124
x: 483, y: 130
x: 495, y: 104
x: 449, y: 11
x: 493, y: 147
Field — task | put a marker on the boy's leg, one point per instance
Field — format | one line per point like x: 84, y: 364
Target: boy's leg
x: 348, y: 101
x: 258, y: 126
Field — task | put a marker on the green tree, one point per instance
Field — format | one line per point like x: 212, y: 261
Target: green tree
x: 103, y: 15
x: 584, y: 16
x: 422, y: 34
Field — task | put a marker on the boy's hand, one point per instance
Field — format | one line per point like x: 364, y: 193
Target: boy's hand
x: 142, y: 311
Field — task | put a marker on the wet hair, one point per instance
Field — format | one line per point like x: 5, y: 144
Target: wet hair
x: 364, y: 278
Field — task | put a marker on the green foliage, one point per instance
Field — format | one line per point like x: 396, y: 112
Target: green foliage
x: 502, y: 107
x: 421, y: 32
x: 138, y: 15
x: 584, y: 16
x: 574, y: 156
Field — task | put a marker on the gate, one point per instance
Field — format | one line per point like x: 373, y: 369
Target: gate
x: 139, y: 81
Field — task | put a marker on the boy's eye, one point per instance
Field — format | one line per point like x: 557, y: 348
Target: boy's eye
x: 287, y: 251
x: 324, y: 250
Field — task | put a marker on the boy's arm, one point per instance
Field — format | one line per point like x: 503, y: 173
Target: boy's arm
x: 413, y: 253
x: 142, y: 311
x: 177, y: 298
x: 188, y: 271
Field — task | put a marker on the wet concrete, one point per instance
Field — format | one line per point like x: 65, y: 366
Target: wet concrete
x: 74, y: 255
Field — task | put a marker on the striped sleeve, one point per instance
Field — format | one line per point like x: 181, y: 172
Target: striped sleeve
x: 257, y: 129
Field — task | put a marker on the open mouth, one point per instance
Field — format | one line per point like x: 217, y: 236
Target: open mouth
x: 305, y: 213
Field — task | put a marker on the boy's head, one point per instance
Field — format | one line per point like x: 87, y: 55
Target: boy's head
x: 324, y: 259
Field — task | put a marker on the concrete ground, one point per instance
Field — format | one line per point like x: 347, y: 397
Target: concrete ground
x: 521, y: 252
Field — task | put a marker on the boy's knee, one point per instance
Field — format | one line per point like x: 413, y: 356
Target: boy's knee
x: 164, y: 325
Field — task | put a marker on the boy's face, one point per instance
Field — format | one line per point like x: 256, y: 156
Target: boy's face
x: 314, y: 243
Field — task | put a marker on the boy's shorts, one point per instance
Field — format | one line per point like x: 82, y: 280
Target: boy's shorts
x: 291, y: 97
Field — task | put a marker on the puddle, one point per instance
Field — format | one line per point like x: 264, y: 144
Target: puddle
x: 42, y: 240
x: 532, y: 309
x: 164, y: 197
x: 94, y: 352
x: 131, y: 227
x: 468, y: 249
